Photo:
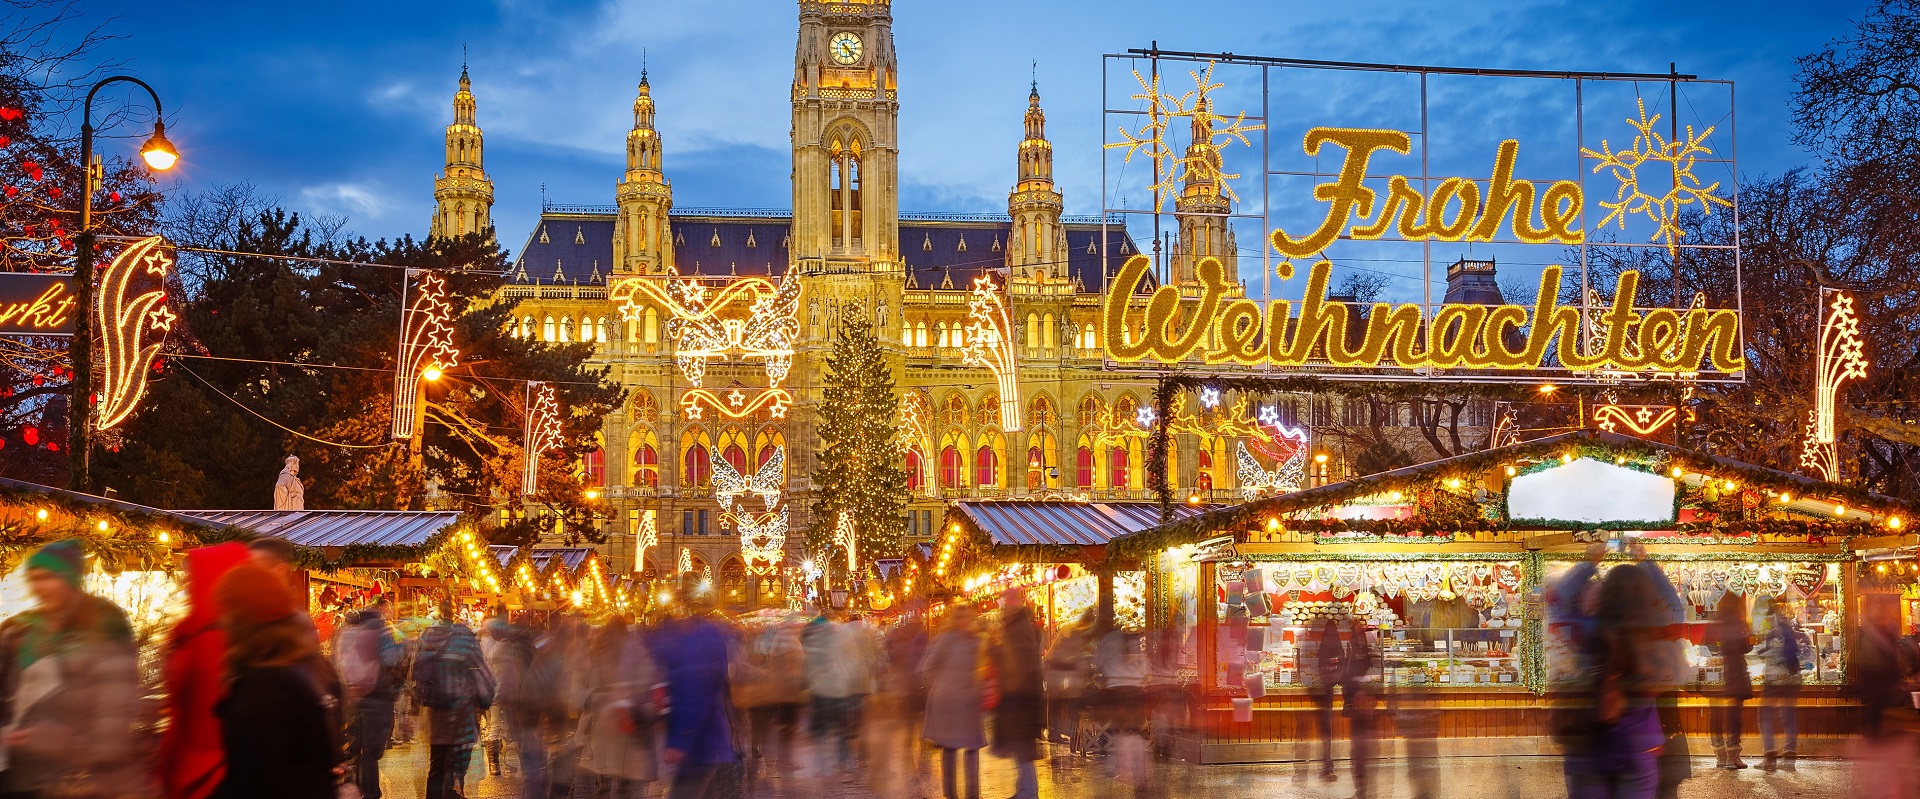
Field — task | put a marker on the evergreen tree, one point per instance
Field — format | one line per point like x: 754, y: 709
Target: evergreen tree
x: 859, y: 471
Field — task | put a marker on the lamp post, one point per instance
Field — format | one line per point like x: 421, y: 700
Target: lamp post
x: 159, y: 156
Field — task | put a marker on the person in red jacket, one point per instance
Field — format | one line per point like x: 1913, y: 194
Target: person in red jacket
x: 191, y: 763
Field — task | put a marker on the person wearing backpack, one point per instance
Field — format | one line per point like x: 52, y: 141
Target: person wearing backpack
x: 367, y: 656
x: 450, y: 680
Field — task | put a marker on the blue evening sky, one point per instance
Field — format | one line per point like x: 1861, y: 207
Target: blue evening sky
x: 339, y: 107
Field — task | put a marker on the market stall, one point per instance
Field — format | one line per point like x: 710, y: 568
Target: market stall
x: 1451, y: 569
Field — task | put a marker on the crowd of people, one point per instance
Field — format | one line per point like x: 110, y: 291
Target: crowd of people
x: 689, y: 704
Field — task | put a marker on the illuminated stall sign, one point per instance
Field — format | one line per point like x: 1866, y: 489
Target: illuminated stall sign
x: 37, y: 305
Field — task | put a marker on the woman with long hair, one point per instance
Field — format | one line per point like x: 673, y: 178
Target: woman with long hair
x: 273, y: 719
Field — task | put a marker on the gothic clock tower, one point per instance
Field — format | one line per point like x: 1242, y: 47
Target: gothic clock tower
x: 845, y: 144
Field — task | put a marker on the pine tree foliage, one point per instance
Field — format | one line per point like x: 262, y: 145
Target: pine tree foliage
x: 859, y: 470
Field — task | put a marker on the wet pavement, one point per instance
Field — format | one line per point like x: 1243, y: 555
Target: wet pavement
x: 1069, y: 776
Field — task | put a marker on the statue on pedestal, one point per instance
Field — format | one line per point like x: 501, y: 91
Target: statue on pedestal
x: 288, y: 493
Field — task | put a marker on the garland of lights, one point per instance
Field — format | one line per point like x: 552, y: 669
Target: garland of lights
x: 132, y: 327
x: 542, y: 433
x: 426, y: 348
x: 990, y: 345
x: 1841, y: 357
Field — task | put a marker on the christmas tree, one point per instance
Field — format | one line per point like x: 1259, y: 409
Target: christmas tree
x: 859, y: 471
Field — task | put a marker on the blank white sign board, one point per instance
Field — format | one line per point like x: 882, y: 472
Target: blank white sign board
x: 1588, y: 490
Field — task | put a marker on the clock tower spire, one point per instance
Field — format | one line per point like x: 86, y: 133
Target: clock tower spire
x: 846, y: 212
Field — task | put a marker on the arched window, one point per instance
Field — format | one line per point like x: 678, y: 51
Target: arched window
x: 1041, y: 412
x: 601, y: 323
x: 953, y: 409
x: 906, y: 333
x: 988, y: 411
x: 733, y: 447
x: 1089, y: 411
x: 652, y: 326
x: 916, y: 469
x: 1033, y: 331
x: 1089, y: 338
x: 1083, y: 471
x: 1047, y: 339
x: 733, y: 580
x: 644, y: 407
x: 527, y: 327
x: 1043, y: 461
x: 566, y: 330
x: 586, y: 330
x: 844, y: 186
x: 1119, y: 468
x: 920, y: 334
x: 987, y: 460
x: 696, y: 466
x: 953, y: 460
x: 764, y: 445
x: 595, y: 467
x: 1124, y: 409
x: 548, y: 331
x: 940, y: 333
x: 646, y: 458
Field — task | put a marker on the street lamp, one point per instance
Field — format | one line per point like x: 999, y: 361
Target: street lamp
x: 159, y: 155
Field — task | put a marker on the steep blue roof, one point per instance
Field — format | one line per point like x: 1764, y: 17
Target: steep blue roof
x: 574, y: 245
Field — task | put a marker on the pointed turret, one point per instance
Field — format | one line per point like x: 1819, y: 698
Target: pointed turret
x: 642, y: 239
x: 462, y: 193
x: 1201, y: 207
x: 1037, y: 245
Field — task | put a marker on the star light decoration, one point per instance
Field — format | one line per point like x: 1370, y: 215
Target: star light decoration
x: 990, y: 345
x: 132, y: 325
x: 542, y: 432
x: 1841, y: 357
x: 707, y: 325
x: 916, y: 410
x: 1641, y: 420
x: 1212, y: 133
x: 426, y: 347
x: 1677, y: 158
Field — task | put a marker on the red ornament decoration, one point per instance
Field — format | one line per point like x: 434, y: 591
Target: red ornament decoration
x: 111, y: 196
x: 4, y: 141
x: 30, y: 434
x: 11, y: 114
x: 54, y: 192
x: 53, y: 447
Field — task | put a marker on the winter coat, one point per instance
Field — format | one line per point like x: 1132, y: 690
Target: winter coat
x: 457, y: 725
x: 616, y: 723
x: 1779, y: 653
x: 955, y: 719
x: 1069, y: 665
x: 77, y: 689
x: 195, y: 669
x: 1022, y: 712
x: 278, y: 742
x: 772, y: 670
x: 1729, y: 638
x: 692, y: 656
x: 842, y: 664
x: 1119, y: 661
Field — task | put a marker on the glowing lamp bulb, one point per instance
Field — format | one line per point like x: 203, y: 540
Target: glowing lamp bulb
x: 1785, y: 497
x: 1677, y: 471
x: 431, y: 373
x: 102, y: 526
x: 1894, y: 523
x: 593, y: 493
x: 1839, y: 510
x: 1566, y: 458
x: 1512, y: 471
x: 1730, y: 485
x: 163, y: 537
x: 1549, y: 388
x: 158, y: 152
x: 1453, y: 482
x: 42, y: 515
x: 1320, y: 458
x: 1193, y: 499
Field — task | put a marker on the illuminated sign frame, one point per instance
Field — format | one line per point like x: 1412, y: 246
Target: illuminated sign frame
x: 1640, y: 166
x: 37, y: 304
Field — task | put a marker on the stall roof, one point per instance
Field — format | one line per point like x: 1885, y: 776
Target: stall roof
x: 1807, y: 490
x: 1062, y: 523
x: 336, y: 528
x: 109, y: 504
x: 572, y: 558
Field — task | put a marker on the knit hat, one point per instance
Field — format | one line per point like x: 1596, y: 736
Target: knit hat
x: 252, y: 595
x: 63, y: 558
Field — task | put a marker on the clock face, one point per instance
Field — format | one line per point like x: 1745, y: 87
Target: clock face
x: 844, y: 48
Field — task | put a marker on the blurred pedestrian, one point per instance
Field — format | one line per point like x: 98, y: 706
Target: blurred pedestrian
x: 278, y: 556
x: 839, y: 674
x: 1731, y: 638
x: 956, y: 710
x: 540, y: 702
x: 1779, y: 652
x: 368, y: 656
x: 906, y: 648
x: 278, y: 737
x: 771, y: 686
x: 505, y: 648
x: 452, y: 682
x: 1069, y: 681
x: 617, y: 723
x: 1323, y: 663
x: 1021, y: 714
x: 1667, y: 672
x: 1360, y: 696
x: 1610, y: 729
x: 1121, y: 670
x: 69, y: 686
x: 1417, y: 719
x: 1881, y: 675
x: 192, y: 758
x: 691, y: 651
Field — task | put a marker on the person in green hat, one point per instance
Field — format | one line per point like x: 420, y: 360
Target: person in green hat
x: 69, y: 686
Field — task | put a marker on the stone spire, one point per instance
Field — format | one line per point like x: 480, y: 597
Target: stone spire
x: 1037, y: 244
x: 642, y: 238
x: 462, y: 192
x: 1201, y: 208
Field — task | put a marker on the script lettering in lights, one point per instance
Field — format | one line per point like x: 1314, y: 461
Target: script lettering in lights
x: 37, y: 304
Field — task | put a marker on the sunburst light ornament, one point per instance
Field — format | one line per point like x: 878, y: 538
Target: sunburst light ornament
x: 1652, y: 151
x: 426, y: 347
x: 990, y: 345
x: 542, y: 433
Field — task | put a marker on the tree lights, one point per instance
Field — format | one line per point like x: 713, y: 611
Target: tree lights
x: 860, y: 471
x: 426, y: 348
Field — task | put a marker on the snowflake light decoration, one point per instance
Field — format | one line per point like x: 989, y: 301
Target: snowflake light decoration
x: 1212, y: 133
x: 542, y: 432
x: 1652, y: 150
x: 426, y: 346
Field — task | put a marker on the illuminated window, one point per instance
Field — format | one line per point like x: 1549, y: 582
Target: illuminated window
x: 1119, y: 468
x: 733, y: 448
x: 906, y: 333
x: 644, y: 407
x: 953, y: 460
x: 646, y: 458
x: 696, y: 470
x: 764, y: 445
x: 920, y: 334
x: 1041, y: 412
x: 566, y: 330
x: 987, y: 460
x: 1046, y: 332
x: 602, y: 325
x: 1203, y: 477
x: 595, y: 466
x: 586, y: 330
x: 1043, y: 461
x: 527, y: 327
x: 1083, y: 472
x: 652, y: 326
x: 989, y: 408
x: 1089, y: 411
x: 547, y: 332
x: 940, y: 333
x: 1033, y: 331
x: 953, y: 409
x: 916, y: 467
